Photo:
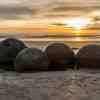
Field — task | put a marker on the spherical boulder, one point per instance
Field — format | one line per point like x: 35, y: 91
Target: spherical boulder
x: 89, y: 56
x: 61, y: 56
x: 31, y: 59
x: 9, y: 48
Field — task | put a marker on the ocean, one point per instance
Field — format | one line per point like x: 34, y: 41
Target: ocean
x: 74, y: 42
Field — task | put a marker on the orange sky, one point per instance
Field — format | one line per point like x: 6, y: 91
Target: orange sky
x: 45, y: 16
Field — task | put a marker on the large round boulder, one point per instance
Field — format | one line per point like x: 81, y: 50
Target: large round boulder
x: 9, y: 48
x: 31, y: 59
x: 61, y: 56
x: 89, y: 56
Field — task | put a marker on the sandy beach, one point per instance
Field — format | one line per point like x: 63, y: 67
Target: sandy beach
x: 64, y: 85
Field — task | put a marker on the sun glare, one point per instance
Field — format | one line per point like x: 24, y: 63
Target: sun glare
x: 77, y: 23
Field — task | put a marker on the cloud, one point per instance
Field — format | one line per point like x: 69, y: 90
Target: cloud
x: 70, y: 8
x: 28, y: 9
x: 74, y: 8
x: 16, y: 12
x: 65, y: 13
x: 9, y: 2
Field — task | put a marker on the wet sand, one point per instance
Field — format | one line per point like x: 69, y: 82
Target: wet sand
x: 62, y: 85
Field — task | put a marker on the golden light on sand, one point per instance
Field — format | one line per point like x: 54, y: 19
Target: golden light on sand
x: 77, y: 23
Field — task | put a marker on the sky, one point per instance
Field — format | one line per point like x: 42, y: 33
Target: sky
x: 42, y: 13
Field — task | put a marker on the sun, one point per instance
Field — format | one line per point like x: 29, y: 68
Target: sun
x: 77, y: 23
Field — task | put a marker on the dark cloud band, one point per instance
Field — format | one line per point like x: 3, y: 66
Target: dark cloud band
x: 68, y: 8
x: 16, y: 12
